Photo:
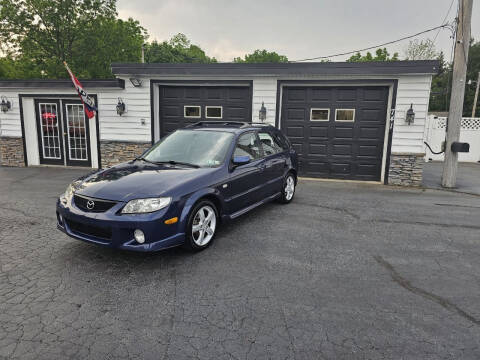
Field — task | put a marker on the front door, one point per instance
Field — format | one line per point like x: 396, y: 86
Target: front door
x: 63, y: 133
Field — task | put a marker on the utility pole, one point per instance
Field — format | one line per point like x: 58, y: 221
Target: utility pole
x: 143, y: 53
x: 462, y: 44
x: 476, y: 96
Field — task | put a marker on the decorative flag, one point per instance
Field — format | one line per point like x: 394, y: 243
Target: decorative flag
x: 88, y: 103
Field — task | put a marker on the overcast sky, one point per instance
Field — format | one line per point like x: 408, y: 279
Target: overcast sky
x: 296, y: 28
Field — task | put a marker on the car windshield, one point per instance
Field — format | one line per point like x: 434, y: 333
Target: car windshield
x: 198, y: 148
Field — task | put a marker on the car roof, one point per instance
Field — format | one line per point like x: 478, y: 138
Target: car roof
x: 228, y: 126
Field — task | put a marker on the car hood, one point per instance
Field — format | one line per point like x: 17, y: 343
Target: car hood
x: 138, y: 179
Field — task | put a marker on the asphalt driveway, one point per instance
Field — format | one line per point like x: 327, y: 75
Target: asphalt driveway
x: 347, y: 271
x: 468, y: 177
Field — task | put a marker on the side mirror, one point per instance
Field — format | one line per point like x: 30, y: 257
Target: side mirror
x: 240, y: 160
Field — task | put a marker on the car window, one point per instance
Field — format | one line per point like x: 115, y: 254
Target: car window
x: 202, y: 148
x: 269, y: 143
x: 247, y: 145
x: 282, y: 140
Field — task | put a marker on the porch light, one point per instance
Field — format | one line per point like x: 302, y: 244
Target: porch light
x: 5, y: 105
x: 262, y: 114
x: 410, y: 117
x: 136, y: 82
x: 121, y: 108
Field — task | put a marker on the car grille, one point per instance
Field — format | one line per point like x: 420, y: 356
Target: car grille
x: 98, y: 205
x: 89, y: 230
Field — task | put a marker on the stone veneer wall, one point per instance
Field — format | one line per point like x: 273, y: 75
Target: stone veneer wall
x: 406, y: 169
x: 11, y: 151
x: 114, y: 152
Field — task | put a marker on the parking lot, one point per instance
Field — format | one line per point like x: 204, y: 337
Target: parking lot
x: 346, y: 271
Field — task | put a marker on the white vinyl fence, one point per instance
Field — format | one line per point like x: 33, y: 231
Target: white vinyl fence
x: 435, y: 135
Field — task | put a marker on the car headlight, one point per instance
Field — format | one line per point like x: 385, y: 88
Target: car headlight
x: 67, y: 194
x: 138, y: 206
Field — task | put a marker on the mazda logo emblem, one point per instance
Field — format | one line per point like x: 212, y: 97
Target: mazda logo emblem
x: 90, y: 204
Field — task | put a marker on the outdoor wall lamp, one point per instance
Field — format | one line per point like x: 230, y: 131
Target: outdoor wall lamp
x: 410, y: 117
x: 262, y: 114
x: 136, y: 82
x: 121, y: 108
x: 5, y: 105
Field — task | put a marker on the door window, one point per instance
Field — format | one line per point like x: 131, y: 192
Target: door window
x: 247, y: 145
x: 270, y: 145
x: 50, y: 131
x: 76, y: 132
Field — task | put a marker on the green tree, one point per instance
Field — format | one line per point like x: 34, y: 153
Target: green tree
x: 473, y: 68
x: 262, y: 56
x: 380, y: 55
x: 38, y: 35
x: 177, y: 50
x: 109, y: 40
x: 420, y: 50
x: 440, y: 92
x: 441, y: 83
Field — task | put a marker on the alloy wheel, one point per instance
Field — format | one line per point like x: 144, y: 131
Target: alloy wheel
x: 289, y: 188
x: 204, y: 224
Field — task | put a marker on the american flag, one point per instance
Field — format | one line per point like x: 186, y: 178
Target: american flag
x: 88, y: 102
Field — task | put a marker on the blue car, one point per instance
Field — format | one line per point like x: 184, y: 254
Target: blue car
x: 182, y: 188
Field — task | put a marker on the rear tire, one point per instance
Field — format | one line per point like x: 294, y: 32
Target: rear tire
x: 288, y: 189
x: 201, y: 226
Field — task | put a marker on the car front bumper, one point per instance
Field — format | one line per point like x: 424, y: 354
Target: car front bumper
x: 111, y: 229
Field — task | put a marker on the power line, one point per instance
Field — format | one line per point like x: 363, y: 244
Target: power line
x: 444, y: 19
x: 374, y: 47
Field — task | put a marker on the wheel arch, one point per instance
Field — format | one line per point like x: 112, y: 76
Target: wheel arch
x: 205, y: 194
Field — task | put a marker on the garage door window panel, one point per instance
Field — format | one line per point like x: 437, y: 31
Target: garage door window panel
x: 192, y: 112
x: 345, y: 115
x: 319, y: 114
x: 213, y: 112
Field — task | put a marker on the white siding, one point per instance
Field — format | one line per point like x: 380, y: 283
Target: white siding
x: 10, y: 121
x: 264, y: 89
x: 127, y: 127
x: 413, y: 89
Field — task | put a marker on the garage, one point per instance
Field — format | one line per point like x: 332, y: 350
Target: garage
x: 181, y: 105
x: 338, y: 131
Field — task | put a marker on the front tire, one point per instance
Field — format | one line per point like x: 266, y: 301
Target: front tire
x: 201, y: 226
x: 288, y: 190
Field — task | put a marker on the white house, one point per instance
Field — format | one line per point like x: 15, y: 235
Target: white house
x: 346, y: 120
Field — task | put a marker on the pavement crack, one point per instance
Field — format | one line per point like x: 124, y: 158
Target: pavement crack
x: 463, y: 226
x: 333, y: 208
x: 406, y: 284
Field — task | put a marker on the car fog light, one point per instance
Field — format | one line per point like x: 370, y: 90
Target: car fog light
x: 139, y: 236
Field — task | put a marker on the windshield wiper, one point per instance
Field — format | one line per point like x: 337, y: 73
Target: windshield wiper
x: 173, y: 162
x: 143, y: 159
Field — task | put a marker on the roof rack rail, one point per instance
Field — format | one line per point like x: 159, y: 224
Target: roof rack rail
x: 221, y: 123
x: 260, y: 124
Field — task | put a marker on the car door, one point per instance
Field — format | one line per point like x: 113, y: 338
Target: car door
x: 275, y: 161
x: 246, y: 181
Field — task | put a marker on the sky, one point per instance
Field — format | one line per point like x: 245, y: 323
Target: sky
x: 296, y: 28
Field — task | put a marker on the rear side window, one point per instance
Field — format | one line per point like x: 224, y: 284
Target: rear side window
x: 282, y: 139
x: 269, y: 143
x: 247, y: 145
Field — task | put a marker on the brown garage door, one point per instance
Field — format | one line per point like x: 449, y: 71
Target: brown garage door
x: 338, y: 132
x: 183, y: 105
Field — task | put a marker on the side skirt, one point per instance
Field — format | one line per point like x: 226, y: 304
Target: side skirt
x: 253, y: 206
